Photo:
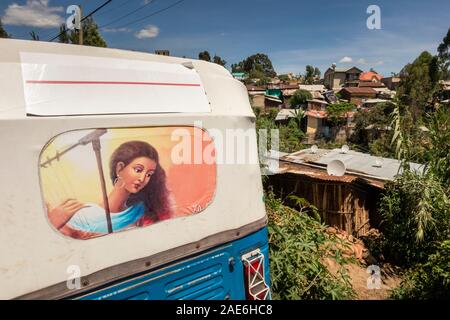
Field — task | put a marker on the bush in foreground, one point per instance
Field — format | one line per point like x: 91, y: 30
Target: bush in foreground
x: 299, y: 247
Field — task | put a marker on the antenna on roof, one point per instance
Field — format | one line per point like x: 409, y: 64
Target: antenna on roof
x: 345, y: 148
x: 336, y: 168
x: 314, y: 149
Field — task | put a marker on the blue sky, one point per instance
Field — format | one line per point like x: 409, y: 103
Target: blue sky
x: 293, y: 33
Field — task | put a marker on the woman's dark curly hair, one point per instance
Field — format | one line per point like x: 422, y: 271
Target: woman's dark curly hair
x: 154, y: 195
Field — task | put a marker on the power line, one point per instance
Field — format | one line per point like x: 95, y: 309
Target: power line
x: 90, y: 14
x: 150, y: 15
x: 128, y: 14
x: 113, y: 9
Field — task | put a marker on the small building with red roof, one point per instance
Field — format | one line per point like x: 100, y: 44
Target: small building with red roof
x: 370, y: 76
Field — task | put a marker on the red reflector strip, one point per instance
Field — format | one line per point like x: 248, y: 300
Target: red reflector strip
x: 114, y: 83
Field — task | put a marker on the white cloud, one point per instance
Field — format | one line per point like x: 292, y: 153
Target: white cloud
x: 362, y: 61
x: 35, y: 13
x: 149, y: 31
x: 346, y: 60
x: 117, y: 29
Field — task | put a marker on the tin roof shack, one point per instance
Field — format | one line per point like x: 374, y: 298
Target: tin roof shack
x: 316, y: 90
x: 273, y: 99
x: 265, y: 99
x: 357, y: 94
x: 370, y: 103
x: 284, y: 116
x: 348, y: 202
x: 391, y: 82
x: 284, y: 92
x: 256, y: 95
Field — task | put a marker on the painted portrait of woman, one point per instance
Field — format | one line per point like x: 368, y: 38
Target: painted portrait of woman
x: 139, y: 196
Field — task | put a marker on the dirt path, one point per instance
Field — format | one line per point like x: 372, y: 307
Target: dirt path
x: 360, y: 275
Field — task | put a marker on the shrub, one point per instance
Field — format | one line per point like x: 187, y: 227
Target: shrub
x: 416, y: 214
x: 430, y: 280
x: 299, y: 246
x: 299, y: 98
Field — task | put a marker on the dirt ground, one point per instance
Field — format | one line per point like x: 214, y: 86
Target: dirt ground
x: 359, y: 276
x: 359, y: 273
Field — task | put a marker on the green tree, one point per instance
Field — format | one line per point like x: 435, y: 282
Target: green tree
x: 219, y: 60
x: 299, y: 98
x: 258, y: 64
x: 291, y: 137
x: 309, y: 74
x: 416, y: 215
x: 444, y: 56
x: 408, y: 138
x: 336, y: 113
x: 312, y: 74
x: 379, y: 119
x: 430, y: 280
x: 91, y: 34
x: 64, y: 34
x: 298, y: 115
x: 416, y: 211
x: 317, y: 73
x: 204, y: 55
x: 419, y: 83
x: 416, y: 206
x: 3, y: 33
x: 437, y: 149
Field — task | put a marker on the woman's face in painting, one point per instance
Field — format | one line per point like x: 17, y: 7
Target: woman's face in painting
x: 136, y: 175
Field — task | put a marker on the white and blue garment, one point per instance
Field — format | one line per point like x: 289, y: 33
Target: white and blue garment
x: 92, y: 218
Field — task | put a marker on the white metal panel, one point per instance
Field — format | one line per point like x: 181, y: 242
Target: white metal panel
x: 57, y: 85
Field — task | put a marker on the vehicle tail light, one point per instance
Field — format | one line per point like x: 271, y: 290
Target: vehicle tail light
x: 256, y: 287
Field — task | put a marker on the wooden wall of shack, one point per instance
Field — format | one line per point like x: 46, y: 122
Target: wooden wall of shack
x: 349, y: 206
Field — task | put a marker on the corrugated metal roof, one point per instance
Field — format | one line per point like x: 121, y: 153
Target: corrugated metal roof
x: 356, y: 162
x: 285, y: 114
x: 370, y: 84
x: 364, y: 90
x: 374, y: 101
x: 313, y: 87
x: 272, y: 98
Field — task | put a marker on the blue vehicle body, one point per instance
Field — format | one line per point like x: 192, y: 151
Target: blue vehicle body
x: 215, y: 274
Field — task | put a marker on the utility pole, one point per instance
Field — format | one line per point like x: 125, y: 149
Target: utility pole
x: 80, y: 31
